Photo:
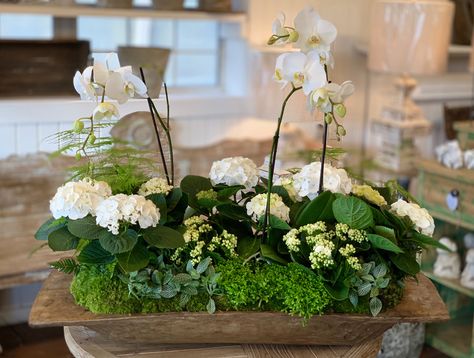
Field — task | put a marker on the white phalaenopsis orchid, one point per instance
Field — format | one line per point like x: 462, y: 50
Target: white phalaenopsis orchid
x: 313, y: 32
x: 278, y: 26
x: 105, y: 110
x: 302, y: 70
x: 122, y: 84
x: 325, y: 97
x: 83, y: 84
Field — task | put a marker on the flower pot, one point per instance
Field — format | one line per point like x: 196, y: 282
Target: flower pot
x: 54, y: 306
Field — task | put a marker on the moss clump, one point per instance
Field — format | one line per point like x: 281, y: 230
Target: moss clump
x: 293, y: 288
x: 100, y: 291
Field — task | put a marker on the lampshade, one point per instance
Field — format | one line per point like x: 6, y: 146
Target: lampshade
x: 410, y: 36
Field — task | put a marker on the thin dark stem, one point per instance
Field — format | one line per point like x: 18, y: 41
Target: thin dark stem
x: 271, y: 167
x: 168, y: 135
x: 325, y: 144
x: 323, y: 158
x: 151, y: 106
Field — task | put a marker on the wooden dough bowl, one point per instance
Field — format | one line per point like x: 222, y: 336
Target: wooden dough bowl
x: 55, y: 306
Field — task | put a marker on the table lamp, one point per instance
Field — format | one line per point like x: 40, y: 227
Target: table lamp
x: 407, y: 38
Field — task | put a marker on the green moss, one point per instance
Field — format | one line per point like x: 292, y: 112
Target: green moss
x: 292, y: 288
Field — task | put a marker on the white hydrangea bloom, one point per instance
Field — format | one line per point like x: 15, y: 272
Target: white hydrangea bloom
x: 234, y: 171
x: 422, y: 219
x: 128, y: 208
x: 76, y: 200
x: 306, y: 182
x: 256, y: 207
x: 155, y: 186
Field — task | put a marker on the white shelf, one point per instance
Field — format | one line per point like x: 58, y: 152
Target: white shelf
x: 86, y: 10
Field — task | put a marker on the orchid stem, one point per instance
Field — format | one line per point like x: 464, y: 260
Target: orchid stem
x: 272, y: 162
x: 325, y: 144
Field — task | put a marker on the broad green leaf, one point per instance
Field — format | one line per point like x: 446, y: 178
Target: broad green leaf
x: 211, y: 306
x: 380, y: 271
x: 268, y: 253
x: 387, y: 232
x: 94, y: 254
x: 276, y: 223
x: 135, y: 259
x: 173, y: 198
x: 233, y: 211
x: 296, y: 209
x: 375, y: 306
x: 353, y: 212
x: 116, y: 244
x: 426, y: 240
x: 406, y: 263
x: 193, y: 184
x: 380, y: 218
x: 203, y: 265
x: 163, y: 237
x: 86, y: 228
x: 380, y: 242
x: 62, y: 240
x: 228, y: 191
x: 319, y: 209
x: 160, y: 202
x: 207, y: 203
x: 338, y: 291
x: 248, y: 246
x: 354, y: 298
x: 48, y: 227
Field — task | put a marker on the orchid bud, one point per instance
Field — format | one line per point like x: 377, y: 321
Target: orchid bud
x: 328, y: 118
x: 293, y: 37
x: 272, y: 40
x: 78, y: 156
x: 92, y: 138
x: 78, y: 126
x: 341, y: 131
x: 340, y: 110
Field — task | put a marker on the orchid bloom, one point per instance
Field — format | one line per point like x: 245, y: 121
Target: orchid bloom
x: 313, y: 32
x: 105, y: 110
x: 278, y: 27
x: 122, y: 84
x: 332, y: 93
x: 301, y: 70
x: 83, y: 84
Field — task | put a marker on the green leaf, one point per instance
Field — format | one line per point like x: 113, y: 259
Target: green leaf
x: 379, y: 217
x: 319, y: 209
x: 375, y: 306
x: 380, y: 242
x: 94, y: 254
x: 268, y: 253
x: 380, y: 271
x: 338, y: 291
x: 275, y: 223
x: 62, y: 240
x: 160, y: 202
x: 48, y: 227
x: 173, y: 198
x: 283, y: 193
x: 248, y: 246
x: 364, y: 288
x: 353, y: 212
x: 353, y: 298
x: 66, y: 265
x: 228, y: 191
x: 163, y: 237
x: 203, y: 265
x: 183, y: 278
x: 211, y: 306
x: 135, y: 259
x: 406, y: 263
x: 426, y: 240
x: 117, y: 244
x: 296, y: 209
x: 86, y: 228
x: 193, y: 184
x: 387, y: 232
x: 233, y: 211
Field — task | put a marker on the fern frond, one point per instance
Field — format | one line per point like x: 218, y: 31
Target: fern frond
x: 66, y: 265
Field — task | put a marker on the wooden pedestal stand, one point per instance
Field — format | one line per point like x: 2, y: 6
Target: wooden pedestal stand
x: 354, y: 335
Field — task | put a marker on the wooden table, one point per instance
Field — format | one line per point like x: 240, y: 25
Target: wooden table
x: 86, y: 343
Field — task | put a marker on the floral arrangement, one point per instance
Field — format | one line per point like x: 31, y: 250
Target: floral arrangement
x: 312, y: 241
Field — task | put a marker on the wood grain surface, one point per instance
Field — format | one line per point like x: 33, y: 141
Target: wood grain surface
x: 54, y: 306
x: 86, y: 343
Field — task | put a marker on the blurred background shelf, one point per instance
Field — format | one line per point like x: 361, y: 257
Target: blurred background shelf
x: 135, y: 12
x: 453, y: 284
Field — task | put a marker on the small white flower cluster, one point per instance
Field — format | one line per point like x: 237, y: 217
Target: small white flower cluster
x: 76, y: 200
x: 321, y: 256
x: 126, y: 208
x: 420, y: 217
x: 257, y: 205
x: 344, y: 233
x: 155, y: 186
x: 234, y: 171
x: 197, y: 235
x: 306, y: 182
